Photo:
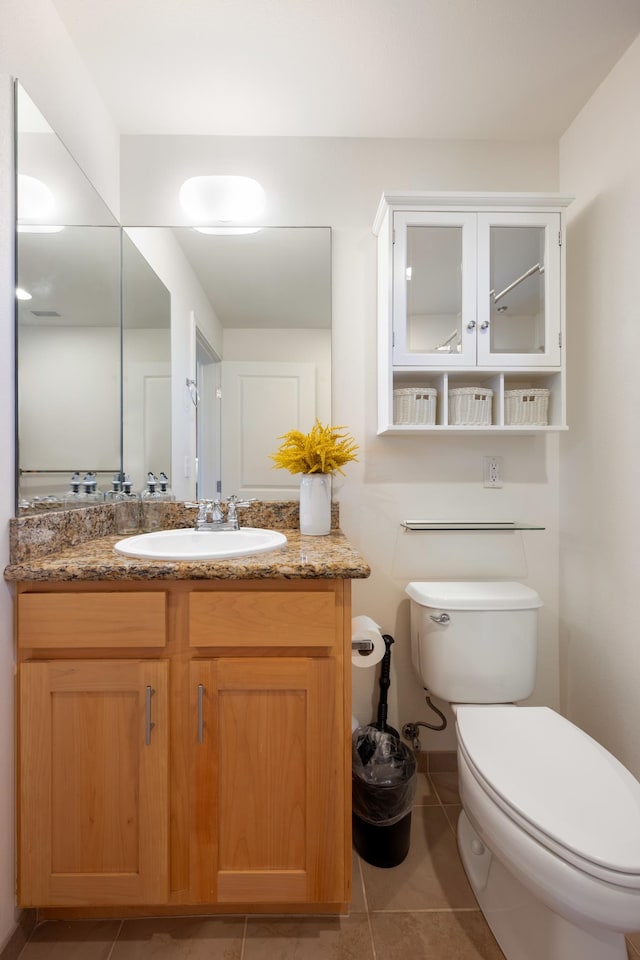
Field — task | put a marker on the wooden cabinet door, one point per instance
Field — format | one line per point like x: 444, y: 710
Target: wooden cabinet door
x: 268, y: 790
x: 93, y: 783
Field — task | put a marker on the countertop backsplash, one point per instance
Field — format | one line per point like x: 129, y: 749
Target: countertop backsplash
x: 38, y: 535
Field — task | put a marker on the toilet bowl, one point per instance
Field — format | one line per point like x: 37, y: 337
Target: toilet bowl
x: 561, y: 817
x: 549, y: 835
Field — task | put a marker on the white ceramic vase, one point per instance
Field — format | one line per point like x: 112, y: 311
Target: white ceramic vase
x: 315, y: 504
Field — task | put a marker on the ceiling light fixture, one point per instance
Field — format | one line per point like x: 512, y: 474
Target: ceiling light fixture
x: 222, y: 199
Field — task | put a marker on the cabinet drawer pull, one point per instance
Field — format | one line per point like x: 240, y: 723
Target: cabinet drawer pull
x: 149, y: 724
x: 200, y: 713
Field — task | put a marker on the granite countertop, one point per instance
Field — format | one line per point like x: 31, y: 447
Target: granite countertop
x: 303, y: 557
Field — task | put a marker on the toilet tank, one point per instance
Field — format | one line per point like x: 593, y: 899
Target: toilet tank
x: 474, y: 641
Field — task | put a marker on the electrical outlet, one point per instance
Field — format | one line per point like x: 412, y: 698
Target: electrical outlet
x: 492, y: 471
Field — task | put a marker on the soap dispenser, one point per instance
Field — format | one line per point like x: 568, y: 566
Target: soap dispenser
x: 115, y: 494
x: 128, y: 509
x: 72, y: 496
x: 165, y: 490
x: 89, y: 493
x: 153, y: 504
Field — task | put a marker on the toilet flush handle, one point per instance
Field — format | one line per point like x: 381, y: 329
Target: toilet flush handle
x: 441, y: 618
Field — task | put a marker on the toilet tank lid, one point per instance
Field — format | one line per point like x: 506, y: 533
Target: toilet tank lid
x: 474, y: 595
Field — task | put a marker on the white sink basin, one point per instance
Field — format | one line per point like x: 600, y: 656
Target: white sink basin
x: 200, y: 544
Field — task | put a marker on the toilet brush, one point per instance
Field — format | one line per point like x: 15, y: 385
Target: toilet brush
x: 385, y: 682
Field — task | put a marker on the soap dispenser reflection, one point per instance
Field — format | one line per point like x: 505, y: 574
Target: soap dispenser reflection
x: 153, y: 505
x: 72, y: 496
x: 89, y: 493
x: 128, y: 509
x: 165, y: 490
x: 115, y: 494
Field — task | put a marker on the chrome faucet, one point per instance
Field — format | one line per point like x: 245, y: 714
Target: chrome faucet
x: 211, y: 515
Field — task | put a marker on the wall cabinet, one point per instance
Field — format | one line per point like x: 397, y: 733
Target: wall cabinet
x: 470, y: 293
x: 208, y: 765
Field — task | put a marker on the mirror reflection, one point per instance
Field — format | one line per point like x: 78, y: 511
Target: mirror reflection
x: 160, y: 348
x: 517, y: 289
x: 68, y: 342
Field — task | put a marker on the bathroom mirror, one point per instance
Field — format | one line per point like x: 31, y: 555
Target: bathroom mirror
x: 225, y: 339
x: 251, y: 350
x: 68, y: 252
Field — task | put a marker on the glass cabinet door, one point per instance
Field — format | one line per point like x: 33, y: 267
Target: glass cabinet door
x: 434, y: 289
x: 519, y: 289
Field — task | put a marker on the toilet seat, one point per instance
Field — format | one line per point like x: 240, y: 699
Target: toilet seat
x: 560, y: 786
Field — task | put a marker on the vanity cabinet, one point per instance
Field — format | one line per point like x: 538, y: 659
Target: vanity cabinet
x: 470, y: 293
x: 200, y: 759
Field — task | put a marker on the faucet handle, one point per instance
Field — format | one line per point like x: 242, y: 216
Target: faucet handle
x: 232, y: 507
x: 235, y: 502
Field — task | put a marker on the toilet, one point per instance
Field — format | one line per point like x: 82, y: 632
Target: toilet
x: 549, y: 833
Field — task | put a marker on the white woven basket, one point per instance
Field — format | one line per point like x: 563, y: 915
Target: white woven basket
x: 528, y: 406
x: 470, y: 405
x: 414, y: 405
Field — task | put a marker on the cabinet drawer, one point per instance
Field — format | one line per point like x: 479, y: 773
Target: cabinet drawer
x: 262, y: 619
x: 88, y: 620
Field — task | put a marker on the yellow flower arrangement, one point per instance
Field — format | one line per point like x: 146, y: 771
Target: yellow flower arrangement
x: 323, y: 450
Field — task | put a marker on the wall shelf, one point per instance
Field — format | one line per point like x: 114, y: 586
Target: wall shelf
x: 472, y: 525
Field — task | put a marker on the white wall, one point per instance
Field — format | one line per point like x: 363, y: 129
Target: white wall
x: 34, y: 48
x: 52, y: 430
x: 600, y: 502
x: 338, y: 183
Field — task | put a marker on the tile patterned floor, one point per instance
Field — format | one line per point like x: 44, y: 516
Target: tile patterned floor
x: 422, y: 908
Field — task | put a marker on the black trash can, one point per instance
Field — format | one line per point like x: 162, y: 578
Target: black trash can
x: 384, y: 779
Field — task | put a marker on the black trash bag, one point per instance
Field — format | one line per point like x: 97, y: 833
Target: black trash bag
x: 384, y: 776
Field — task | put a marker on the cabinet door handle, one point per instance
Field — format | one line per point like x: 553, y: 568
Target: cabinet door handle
x: 200, y: 713
x: 149, y: 724
x: 471, y: 325
x: 485, y: 325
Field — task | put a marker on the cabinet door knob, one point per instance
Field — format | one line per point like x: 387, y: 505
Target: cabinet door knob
x: 471, y: 325
x: 485, y: 325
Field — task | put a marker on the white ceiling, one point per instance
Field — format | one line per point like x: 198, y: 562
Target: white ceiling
x: 486, y: 69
